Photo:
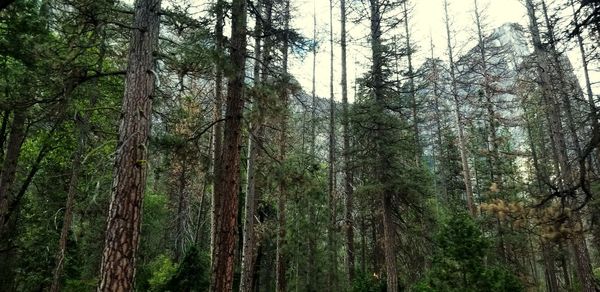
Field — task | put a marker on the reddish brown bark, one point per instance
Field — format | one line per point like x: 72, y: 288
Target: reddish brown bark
x: 228, y: 173
x: 117, y: 270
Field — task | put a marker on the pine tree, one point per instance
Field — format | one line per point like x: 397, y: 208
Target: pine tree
x: 226, y: 190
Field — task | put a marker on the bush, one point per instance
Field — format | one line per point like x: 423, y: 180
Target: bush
x: 363, y: 282
x: 163, y: 270
x: 192, y: 274
x: 458, y: 263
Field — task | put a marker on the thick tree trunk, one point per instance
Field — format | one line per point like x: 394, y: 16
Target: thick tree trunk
x: 117, y: 270
x: 583, y: 266
x: 228, y: 173
x: 9, y: 168
x: 7, y: 179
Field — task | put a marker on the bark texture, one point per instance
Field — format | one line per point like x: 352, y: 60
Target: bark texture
x: 228, y: 173
x: 218, y: 114
x: 117, y: 271
x: 7, y: 179
x: 249, y: 235
x: 348, y: 177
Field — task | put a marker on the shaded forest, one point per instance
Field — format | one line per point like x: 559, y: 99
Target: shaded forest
x: 153, y: 146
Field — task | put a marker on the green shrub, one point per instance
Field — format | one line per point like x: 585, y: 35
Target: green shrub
x: 192, y: 274
x: 363, y: 282
x: 458, y: 263
x: 163, y: 270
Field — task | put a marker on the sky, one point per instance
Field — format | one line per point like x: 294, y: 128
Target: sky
x: 427, y: 26
x: 426, y: 22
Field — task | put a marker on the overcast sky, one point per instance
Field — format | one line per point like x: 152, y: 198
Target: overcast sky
x: 427, y: 22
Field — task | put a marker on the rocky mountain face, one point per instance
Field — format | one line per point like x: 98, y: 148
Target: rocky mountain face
x: 497, y: 81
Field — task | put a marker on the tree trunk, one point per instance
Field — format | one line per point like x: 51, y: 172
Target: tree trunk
x: 565, y: 267
x: 118, y: 264
x: 493, y: 156
x: 550, y: 267
x: 218, y: 114
x: 434, y: 77
x: 180, y: 217
x: 3, y: 127
x: 332, y: 244
x: 249, y: 235
x: 313, y: 111
x: 583, y: 266
x: 593, y: 115
x: 7, y: 179
x: 68, y: 217
x: 389, y: 244
x: 462, y: 143
x: 411, y: 87
x: 385, y: 196
x: 281, y: 257
x: 228, y: 172
x: 348, y: 176
x: 249, y: 239
x: 117, y: 270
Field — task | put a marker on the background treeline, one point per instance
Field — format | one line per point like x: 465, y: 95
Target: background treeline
x: 166, y: 147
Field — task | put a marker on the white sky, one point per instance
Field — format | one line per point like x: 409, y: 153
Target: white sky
x: 427, y: 21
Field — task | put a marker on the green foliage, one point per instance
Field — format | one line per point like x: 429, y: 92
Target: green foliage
x: 192, y: 274
x: 368, y: 283
x: 459, y: 261
x: 163, y: 270
x: 151, y: 248
x: 80, y: 285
